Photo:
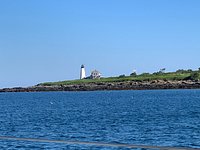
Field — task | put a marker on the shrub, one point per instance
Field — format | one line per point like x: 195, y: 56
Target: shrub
x: 184, y: 71
x: 189, y: 70
x: 180, y: 71
x: 121, y: 76
x: 133, y: 74
x: 157, y: 73
x: 193, y: 76
x: 145, y: 74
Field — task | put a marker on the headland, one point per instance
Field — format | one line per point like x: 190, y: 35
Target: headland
x: 181, y: 79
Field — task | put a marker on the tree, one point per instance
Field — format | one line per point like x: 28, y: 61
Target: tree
x: 162, y: 70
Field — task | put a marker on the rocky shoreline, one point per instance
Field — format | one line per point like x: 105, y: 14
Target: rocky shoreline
x: 129, y: 85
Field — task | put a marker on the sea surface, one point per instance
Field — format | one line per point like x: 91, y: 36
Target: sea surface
x: 151, y: 117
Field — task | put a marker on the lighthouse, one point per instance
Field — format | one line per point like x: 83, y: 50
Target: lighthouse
x: 82, y: 73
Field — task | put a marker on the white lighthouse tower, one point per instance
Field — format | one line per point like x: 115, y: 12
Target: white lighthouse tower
x: 82, y: 73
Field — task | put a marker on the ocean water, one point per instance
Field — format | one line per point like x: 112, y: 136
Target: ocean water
x: 152, y: 117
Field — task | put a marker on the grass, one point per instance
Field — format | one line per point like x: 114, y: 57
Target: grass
x: 173, y: 76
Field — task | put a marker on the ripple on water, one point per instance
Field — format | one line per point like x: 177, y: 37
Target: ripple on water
x: 160, y: 117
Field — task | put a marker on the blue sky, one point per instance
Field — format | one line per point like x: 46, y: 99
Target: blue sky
x: 48, y: 40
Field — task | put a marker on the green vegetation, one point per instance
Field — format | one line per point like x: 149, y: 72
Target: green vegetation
x: 193, y: 76
x: 161, y: 75
x: 134, y: 74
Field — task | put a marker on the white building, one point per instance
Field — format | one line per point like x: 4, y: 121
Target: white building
x: 82, y: 72
x: 95, y: 75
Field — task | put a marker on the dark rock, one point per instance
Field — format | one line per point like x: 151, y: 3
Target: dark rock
x: 133, y: 85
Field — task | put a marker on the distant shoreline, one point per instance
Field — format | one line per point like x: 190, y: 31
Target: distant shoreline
x: 100, y: 86
x: 181, y: 79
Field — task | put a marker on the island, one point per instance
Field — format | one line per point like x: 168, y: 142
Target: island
x: 181, y: 79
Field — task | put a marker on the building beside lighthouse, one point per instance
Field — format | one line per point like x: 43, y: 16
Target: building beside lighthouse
x: 82, y: 72
x: 95, y: 75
